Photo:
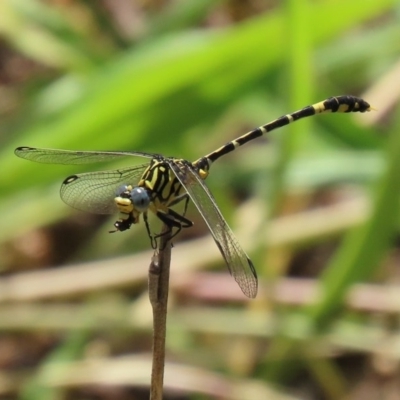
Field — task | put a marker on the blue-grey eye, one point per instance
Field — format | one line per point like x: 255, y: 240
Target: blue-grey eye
x: 140, y: 199
x: 121, y: 190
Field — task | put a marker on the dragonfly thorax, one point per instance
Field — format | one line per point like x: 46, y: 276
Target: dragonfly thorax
x: 161, y: 183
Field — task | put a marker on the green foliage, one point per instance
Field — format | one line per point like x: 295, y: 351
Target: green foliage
x: 177, y: 88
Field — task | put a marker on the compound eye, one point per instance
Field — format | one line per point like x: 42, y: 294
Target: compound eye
x: 140, y: 199
x: 121, y: 190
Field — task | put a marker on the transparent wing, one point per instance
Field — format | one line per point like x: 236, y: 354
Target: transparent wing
x: 95, y: 191
x: 239, y: 264
x: 54, y: 156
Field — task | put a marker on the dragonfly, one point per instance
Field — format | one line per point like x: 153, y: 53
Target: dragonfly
x: 160, y: 184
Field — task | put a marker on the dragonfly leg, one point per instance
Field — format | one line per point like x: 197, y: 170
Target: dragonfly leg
x: 124, y: 223
x: 180, y: 198
x: 153, y: 239
x: 169, y: 230
x: 173, y: 220
x: 186, y: 205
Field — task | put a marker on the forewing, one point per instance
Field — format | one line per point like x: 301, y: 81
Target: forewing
x: 239, y: 264
x: 55, y: 156
x: 95, y: 191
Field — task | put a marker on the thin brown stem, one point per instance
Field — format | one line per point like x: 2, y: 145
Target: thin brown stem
x: 158, y: 294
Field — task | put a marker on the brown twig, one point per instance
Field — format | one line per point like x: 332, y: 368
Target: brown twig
x: 158, y: 294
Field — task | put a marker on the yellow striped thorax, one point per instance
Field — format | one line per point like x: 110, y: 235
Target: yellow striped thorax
x: 161, y: 185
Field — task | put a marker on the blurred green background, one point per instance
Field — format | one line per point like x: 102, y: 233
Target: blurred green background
x: 315, y: 204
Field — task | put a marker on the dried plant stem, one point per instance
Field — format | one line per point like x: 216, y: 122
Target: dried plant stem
x: 158, y: 294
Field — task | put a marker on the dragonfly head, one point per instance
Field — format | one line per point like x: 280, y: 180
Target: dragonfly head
x: 131, y: 202
x: 130, y: 199
x: 140, y: 199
